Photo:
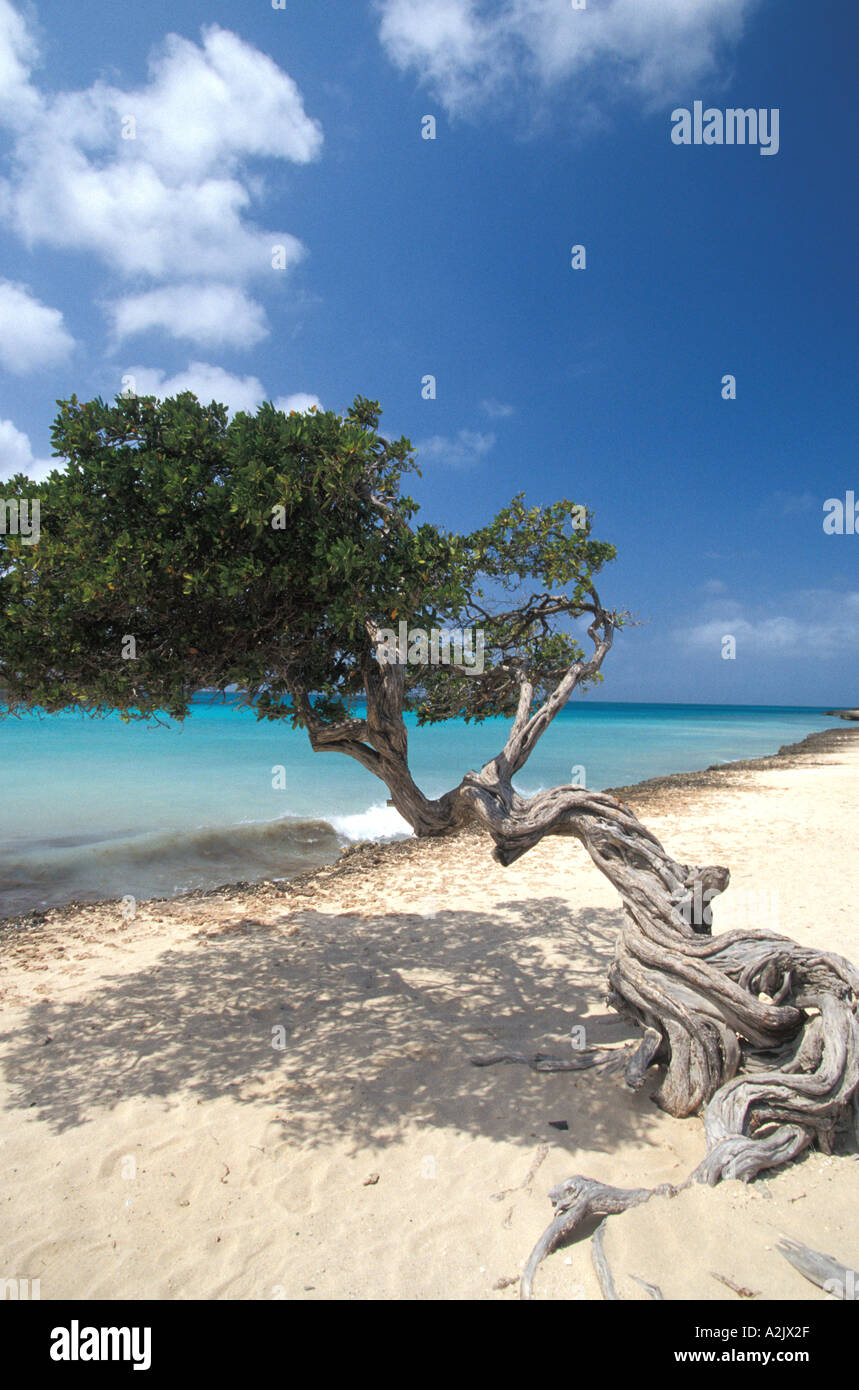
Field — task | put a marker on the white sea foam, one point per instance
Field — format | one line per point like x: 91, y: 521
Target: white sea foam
x: 377, y: 823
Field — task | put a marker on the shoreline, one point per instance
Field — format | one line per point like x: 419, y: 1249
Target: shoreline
x: 652, y: 788
x: 646, y: 795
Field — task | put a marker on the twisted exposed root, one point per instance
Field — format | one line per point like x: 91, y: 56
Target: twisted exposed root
x: 759, y: 1032
x: 577, y: 1200
x: 601, y: 1264
x: 744, y: 1001
x: 783, y: 1101
x: 611, y: 1057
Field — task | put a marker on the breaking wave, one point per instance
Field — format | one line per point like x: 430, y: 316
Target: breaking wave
x: 37, y: 874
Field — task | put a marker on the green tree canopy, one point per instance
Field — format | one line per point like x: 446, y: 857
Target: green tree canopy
x: 264, y: 552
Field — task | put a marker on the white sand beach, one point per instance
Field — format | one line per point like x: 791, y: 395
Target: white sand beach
x: 156, y: 1144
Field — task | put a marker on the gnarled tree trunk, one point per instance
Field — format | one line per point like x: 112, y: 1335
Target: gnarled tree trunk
x: 759, y: 1032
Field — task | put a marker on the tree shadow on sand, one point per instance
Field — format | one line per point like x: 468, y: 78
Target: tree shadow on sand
x: 379, y: 1016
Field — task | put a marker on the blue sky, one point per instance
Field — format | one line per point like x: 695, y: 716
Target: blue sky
x: 151, y: 257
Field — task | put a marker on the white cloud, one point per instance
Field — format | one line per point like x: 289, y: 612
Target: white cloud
x: 816, y: 624
x: 301, y: 402
x: 793, y: 503
x: 212, y: 315
x: 173, y: 201
x: 18, y: 52
x: 31, y: 334
x: 462, y: 450
x: 207, y: 107
x: 469, y: 53
x: 497, y: 410
x: 207, y: 382
x: 16, y: 455
x: 210, y: 383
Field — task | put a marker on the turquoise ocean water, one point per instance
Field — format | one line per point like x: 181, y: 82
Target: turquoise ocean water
x: 94, y: 808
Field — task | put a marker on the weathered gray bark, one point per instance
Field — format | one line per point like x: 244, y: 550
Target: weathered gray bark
x: 759, y: 1032
x: 824, y: 1271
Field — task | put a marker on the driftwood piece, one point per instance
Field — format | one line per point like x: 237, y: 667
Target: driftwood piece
x: 739, y: 1289
x: 653, y: 1290
x: 540, y: 1061
x: 576, y: 1201
x: 824, y: 1271
x: 601, y: 1265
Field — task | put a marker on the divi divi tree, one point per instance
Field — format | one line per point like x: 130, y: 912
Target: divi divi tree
x: 180, y: 550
